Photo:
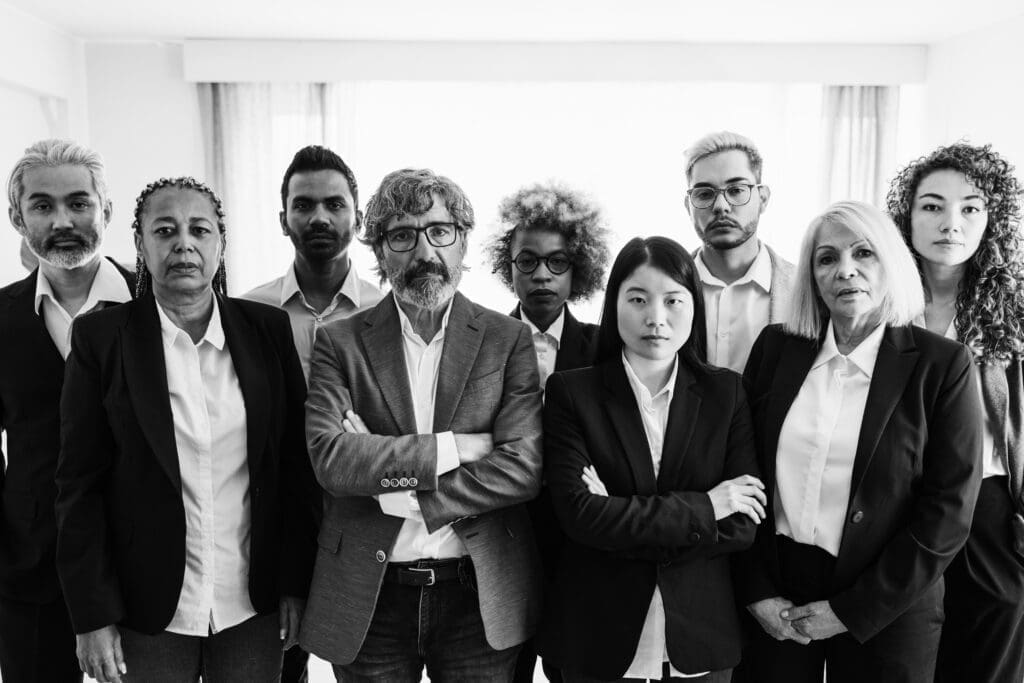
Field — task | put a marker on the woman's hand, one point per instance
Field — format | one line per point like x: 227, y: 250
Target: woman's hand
x: 768, y: 613
x: 100, y: 655
x: 743, y: 494
x: 816, y: 620
x: 290, y: 611
x: 593, y: 482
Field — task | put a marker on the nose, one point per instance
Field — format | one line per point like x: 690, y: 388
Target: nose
x: 846, y: 267
x: 541, y: 273
x: 424, y: 249
x: 655, y: 315
x: 721, y: 205
x: 62, y: 219
x: 183, y: 241
x: 320, y: 216
x: 952, y: 220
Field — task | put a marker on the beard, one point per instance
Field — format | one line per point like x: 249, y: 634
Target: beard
x: 736, y: 236
x: 321, y: 246
x: 68, y: 258
x: 416, y: 284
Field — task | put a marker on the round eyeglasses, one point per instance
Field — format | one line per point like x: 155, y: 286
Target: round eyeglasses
x: 736, y: 194
x: 406, y: 239
x: 527, y: 262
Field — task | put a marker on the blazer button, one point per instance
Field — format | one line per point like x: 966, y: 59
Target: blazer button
x: 381, y: 556
x: 384, y: 483
x: 857, y: 516
x: 404, y: 481
x: 413, y: 481
x: 394, y: 482
x: 694, y: 537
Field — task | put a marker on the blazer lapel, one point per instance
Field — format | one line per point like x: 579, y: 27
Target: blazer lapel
x: 35, y: 335
x: 572, y: 348
x: 146, y: 376
x: 624, y: 415
x: 243, y: 342
x: 795, y: 361
x: 382, y: 339
x: 462, y: 341
x: 682, y: 418
x: 897, y: 357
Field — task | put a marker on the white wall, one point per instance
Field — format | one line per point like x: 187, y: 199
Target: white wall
x: 975, y: 89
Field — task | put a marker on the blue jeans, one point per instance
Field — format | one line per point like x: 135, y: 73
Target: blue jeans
x: 436, y: 626
x: 247, y: 653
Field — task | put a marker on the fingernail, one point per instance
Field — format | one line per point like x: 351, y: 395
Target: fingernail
x: 124, y: 668
x: 281, y: 634
x: 785, y: 614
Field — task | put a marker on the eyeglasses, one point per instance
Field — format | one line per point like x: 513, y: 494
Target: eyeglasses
x: 406, y: 239
x: 736, y: 195
x: 527, y: 262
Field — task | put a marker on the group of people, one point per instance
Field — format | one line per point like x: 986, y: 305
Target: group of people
x: 748, y: 471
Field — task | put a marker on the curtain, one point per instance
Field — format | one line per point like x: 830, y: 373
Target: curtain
x: 859, y: 141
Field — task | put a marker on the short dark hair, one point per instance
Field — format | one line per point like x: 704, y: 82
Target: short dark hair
x: 669, y: 257
x: 316, y: 158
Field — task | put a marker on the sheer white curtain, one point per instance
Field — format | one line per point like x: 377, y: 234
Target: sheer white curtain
x: 859, y: 125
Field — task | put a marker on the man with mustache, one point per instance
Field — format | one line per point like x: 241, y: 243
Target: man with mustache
x: 423, y: 426
x: 59, y: 204
x: 746, y: 284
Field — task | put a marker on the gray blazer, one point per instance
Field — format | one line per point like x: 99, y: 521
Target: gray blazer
x: 487, y: 383
x: 783, y: 274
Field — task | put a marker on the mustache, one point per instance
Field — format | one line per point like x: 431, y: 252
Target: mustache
x: 319, y: 232
x: 719, y: 222
x: 425, y: 268
x: 52, y: 240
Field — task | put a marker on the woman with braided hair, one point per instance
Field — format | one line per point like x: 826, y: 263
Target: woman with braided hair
x: 186, y: 502
x: 959, y: 209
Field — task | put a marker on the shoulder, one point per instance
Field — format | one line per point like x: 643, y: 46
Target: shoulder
x: 497, y: 323
x: 581, y: 382
x: 258, y: 311
x: 369, y: 294
x: 25, y: 287
x: 780, y: 265
x: 933, y: 347
x: 268, y: 293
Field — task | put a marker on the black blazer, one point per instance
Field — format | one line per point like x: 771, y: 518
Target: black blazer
x: 577, y: 345
x: 31, y: 377
x: 120, y: 516
x: 916, y: 472
x: 648, y: 531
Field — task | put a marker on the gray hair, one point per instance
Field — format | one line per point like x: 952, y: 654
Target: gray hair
x: 53, y: 153
x: 723, y: 141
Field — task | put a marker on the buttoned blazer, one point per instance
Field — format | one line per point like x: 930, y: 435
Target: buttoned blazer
x: 121, y: 519
x: 31, y: 378
x: 487, y: 382
x: 649, y: 531
x: 916, y: 471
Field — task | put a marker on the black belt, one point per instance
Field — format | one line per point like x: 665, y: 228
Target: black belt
x: 429, y: 572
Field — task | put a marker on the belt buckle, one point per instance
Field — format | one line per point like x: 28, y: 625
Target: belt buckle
x: 431, y: 580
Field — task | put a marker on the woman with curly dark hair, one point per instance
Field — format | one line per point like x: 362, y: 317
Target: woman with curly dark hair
x: 553, y: 250
x: 959, y: 209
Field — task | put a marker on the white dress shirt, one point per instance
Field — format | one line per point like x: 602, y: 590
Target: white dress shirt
x: 108, y: 286
x: 210, y: 434
x: 355, y: 295
x: 652, y: 651
x: 818, y: 443
x: 423, y: 362
x: 546, y: 345
x: 736, y: 312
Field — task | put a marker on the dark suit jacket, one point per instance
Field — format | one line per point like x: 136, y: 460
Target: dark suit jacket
x: 648, y: 531
x: 31, y: 377
x: 916, y: 472
x: 120, y: 516
x: 577, y: 345
x: 487, y: 383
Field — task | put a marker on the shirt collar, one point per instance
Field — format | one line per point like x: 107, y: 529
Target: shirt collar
x: 759, y: 272
x: 555, y: 329
x: 864, y: 356
x: 409, y: 332
x: 349, y: 287
x: 640, y: 390
x: 107, y: 285
x: 214, y: 330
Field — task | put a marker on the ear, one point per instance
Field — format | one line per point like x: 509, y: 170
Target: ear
x: 765, y: 193
x: 16, y: 220
x: 138, y: 244
x: 686, y: 203
x: 108, y: 212
x: 359, y: 221
x: 282, y: 216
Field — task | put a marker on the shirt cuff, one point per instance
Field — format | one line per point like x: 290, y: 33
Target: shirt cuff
x: 447, y: 453
x: 400, y: 504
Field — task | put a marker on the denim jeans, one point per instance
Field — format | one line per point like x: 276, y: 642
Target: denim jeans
x: 436, y: 626
x: 247, y: 653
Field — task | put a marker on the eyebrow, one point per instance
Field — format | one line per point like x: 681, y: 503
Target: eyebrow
x: 307, y: 198
x: 730, y: 181
x: 43, y: 195
x: 428, y: 225
x: 935, y: 195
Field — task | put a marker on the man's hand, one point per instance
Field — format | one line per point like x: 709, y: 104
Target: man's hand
x: 816, y: 620
x: 100, y: 656
x: 593, y: 482
x: 473, y: 447
x: 743, y: 494
x: 353, y: 424
x: 768, y: 613
x: 290, y: 611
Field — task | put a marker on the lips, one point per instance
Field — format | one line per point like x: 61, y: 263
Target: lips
x: 849, y: 291
x: 949, y: 243
x: 65, y: 241
x: 541, y: 294
x: 186, y: 267
x: 722, y: 224
x: 654, y: 337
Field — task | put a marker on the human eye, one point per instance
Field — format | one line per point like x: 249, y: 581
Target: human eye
x: 80, y: 205
x: 636, y: 299
x: 336, y: 205
x: 736, y: 191
x: 703, y: 194
x: 300, y: 205
x: 526, y: 260
x: 864, y: 252
x: 440, y: 231
x: 973, y: 209
x: 400, y: 235
x: 825, y: 259
x: 41, y: 206
x: 559, y: 262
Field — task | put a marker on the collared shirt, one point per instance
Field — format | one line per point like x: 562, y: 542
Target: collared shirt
x: 423, y: 363
x: 108, y: 286
x: 210, y: 434
x: 546, y: 345
x: 818, y: 443
x: 353, y: 296
x: 736, y: 312
x: 652, y: 650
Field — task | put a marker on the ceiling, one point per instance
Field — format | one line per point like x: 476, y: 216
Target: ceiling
x: 738, y: 21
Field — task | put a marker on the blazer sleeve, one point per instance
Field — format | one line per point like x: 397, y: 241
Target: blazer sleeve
x: 352, y: 464
x: 940, y: 517
x: 674, y: 520
x: 84, y: 559
x: 510, y: 473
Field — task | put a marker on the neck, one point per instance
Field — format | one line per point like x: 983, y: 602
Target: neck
x: 320, y: 282
x: 941, y: 282
x: 652, y: 373
x: 71, y: 285
x: 426, y: 322
x: 189, y: 311
x: 850, y: 332
x: 729, y: 265
x: 544, y: 320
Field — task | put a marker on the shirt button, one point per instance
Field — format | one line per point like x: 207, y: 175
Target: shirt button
x: 381, y: 556
x: 385, y: 483
x: 857, y: 517
x: 694, y: 537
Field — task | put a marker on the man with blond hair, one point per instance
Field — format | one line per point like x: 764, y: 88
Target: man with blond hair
x: 58, y: 203
x: 746, y: 284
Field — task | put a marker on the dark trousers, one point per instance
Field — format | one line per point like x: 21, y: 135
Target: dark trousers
x: 37, y: 643
x: 983, y: 638
x: 527, y: 662
x: 247, y: 653
x: 437, y: 627
x: 902, y: 652
x: 294, y: 666
x: 723, y: 676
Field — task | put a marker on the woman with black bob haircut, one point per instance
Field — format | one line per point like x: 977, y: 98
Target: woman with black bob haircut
x: 650, y: 461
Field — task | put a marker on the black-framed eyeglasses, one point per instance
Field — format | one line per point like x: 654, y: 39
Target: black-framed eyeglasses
x: 527, y: 262
x: 406, y: 239
x: 736, y: 194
